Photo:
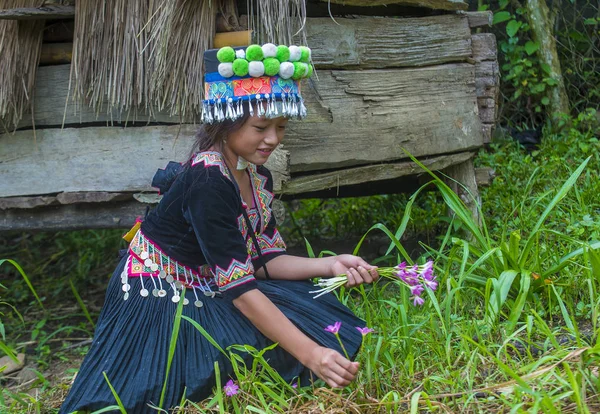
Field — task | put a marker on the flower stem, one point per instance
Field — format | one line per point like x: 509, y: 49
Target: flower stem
x: 342, y: 345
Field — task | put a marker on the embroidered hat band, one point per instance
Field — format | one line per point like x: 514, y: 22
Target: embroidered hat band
x: 263, y: 78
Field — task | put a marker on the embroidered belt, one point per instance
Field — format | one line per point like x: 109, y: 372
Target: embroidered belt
x: 147, y: 260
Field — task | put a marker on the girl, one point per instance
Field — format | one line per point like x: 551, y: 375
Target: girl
x: 212, y: 242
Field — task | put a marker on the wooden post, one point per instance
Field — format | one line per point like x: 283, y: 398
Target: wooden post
x: 464, y: 173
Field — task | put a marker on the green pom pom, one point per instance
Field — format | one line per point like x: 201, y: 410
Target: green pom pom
x: 310, y: 70
x: 299, y: 70
x: 226, y: 54
x: 271, y: 66
x: 254, y: 52
x: 283, y: 53
x: 240, y: 67
x: 305, y: 54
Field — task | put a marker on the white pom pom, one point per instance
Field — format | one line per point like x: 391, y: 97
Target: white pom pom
x: 240, y: 54
x: 226, y: 69
x: 256, y: 69
x: 309, y: 54
x: 286, y: 70
x: 269, y: 50
x: 295, y: 53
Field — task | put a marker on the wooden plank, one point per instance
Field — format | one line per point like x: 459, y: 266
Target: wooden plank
x: 484, y: 47
x: 487, y: 78
x: 117, y: 215
x: 427, y: 111
x: 377, y: 42
x: 480, y: 18
x: 26, y: 202
x: 370, y: 173
x: 36, y: 13
x: 98, y: 159
x: 73, y: 217
x: 430, y: 4
x: 487, y: 110
x: 51, y: 105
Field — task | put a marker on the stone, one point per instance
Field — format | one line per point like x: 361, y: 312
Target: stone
x: 11, y: 366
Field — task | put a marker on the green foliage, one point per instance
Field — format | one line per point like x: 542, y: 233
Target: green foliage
x: 526, y: 81
x: 351, y: 217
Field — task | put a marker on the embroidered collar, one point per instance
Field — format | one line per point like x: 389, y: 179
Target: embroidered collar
x: 262, y: 197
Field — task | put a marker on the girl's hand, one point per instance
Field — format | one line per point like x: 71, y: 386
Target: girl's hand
x: 332, y: 367
x: 357, y: 270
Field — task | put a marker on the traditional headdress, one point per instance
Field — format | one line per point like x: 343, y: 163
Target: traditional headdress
x: 268, y: 76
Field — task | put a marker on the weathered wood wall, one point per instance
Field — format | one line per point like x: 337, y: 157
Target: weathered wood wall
x: 383, y: 86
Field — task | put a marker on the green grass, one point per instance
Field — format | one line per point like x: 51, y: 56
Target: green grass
x: 512, y: 326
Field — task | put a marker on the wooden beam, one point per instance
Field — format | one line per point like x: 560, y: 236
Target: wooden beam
x: 370, y: 173
x: 73, y: 217
x: 378, y: 42
x: 117, y: 215
x: 480, y: 19
x: 484, y: 47
x: 98, y: 159
x: 39, y: 13
x: 375, y: 114
x: 430, y: 4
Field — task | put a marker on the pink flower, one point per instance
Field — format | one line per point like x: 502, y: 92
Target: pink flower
x: 418, y: 300
x: 417, y: 290
x: 431, y: 284
x: 365, y: 331
x: 335, y: 328
x: 231, y: 388
x: 401, y: 266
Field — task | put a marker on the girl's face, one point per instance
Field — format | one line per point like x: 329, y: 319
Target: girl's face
x: 256, y: 140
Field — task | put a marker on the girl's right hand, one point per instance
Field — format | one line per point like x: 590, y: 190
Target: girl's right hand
x: 332, y: 367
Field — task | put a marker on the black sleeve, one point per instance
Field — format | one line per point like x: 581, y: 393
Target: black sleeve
x: 213, y: 208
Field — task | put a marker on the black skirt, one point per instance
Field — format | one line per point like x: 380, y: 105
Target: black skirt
x: 131, y: 344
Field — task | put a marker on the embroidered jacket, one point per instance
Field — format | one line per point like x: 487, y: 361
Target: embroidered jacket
x: 200, y: 222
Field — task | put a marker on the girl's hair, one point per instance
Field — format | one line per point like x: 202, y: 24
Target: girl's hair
x: 212, y: 135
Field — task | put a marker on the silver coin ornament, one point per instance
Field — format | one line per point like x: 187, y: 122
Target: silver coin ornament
x: 144, y: 292
x: 162, y: 274
x: 144, y: 255
x: 178, y: 284
x: 175, y: 298
x: 126, y: 287
x: 208, y: 293
x: 162, y: 293
x: 148, y: 262
x: 198, y: 304
x: 169, y: 279
x: 186, y: 301
x: 126, y: 296
x: 155, y: 292
x: 154, y: 267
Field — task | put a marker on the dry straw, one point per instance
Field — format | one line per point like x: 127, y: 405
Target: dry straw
x: 147, y: 55
x: 20, y: 47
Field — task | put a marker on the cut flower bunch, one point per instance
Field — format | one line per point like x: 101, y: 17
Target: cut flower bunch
x: 416, y: 278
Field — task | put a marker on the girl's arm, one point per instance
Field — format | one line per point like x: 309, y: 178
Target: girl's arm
x: 327, y: 364
x: 288, y: 267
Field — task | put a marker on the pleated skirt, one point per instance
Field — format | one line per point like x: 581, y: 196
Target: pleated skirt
x: 131, y: 344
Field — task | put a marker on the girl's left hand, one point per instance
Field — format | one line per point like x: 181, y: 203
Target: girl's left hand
x: 357, y: 270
